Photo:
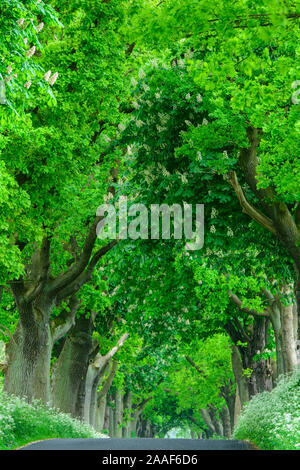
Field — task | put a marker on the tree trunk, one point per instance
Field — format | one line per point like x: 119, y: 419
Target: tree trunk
x: 70, y: 370
x: 93, y: 399
x: 100, y: 413
x: 41, y: 383
x: 207, y: 419
x: 26, y: 345
x: 240, y: 378
x: 127, y: 414
x: 118, y: 413
x: 288, y: 339
x: 112, y: 422
x: 226, y: 421
x: 102, y: 398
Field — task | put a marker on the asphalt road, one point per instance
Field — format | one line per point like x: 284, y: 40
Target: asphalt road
x: 137, y: 444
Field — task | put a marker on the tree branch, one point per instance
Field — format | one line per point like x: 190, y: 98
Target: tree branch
x: 247, y: 207
x: 239, y: 304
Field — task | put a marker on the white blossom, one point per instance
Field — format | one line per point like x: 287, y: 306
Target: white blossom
x: 199, y: 98
x: 31, y: 52
x: 27, y: 84
x: 214, y: 213
x: 204, y: 122
x: 47, y: 75
x: 53, y: 79
x: 21, y: 21
x: 146, y: 87
x: 213, y: 229
x: 189, y: 54
x: 40, y: 27
x: 106, y: 138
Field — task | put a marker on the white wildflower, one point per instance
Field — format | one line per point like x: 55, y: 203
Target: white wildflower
x: 188, y: 123
x: 229, y: 232
x: 27, y: 84
x: 121, y: 127
x: 9, y: 69
x: 139, y: 123
x: 204, y: 122
x: 213, y: 229
x: 199, y: 156
x: 199, y: 98
x: 157, y: 95
x: 20, y: 22
x: 188, y: 96
x: 141, y: 74
x: 135, y: 105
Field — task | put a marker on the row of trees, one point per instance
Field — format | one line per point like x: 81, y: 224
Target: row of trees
x: 140, y: 336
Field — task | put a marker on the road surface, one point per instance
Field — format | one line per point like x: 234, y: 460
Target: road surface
x: 137, y: 444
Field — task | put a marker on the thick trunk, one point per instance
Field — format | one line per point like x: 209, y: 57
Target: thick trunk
x: 215, y: 418
x: 93, y: 403
x: 100, y: 413
x: 226, y: 421
x: 260, y: 379
x: 111, y: 422
x: 41, y: 383
x: 106, y: 417
x: 284, y: 322
x: 240, y: 378
x: 25, y: 347
x: 207, y: 419
x: 126, y: 414
x: 118, y: 413
x: 71, y: 367
x: 102, y: 416
x: 288, y: 339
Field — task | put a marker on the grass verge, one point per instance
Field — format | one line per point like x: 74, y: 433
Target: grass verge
x: 21, y: 423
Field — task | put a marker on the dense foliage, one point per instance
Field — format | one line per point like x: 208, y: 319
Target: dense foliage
x: 170, y: 103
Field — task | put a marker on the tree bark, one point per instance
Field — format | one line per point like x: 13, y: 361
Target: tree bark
x: 226, y: 421
x: 118, y: 415
x: 27, y: 343
x: 70, y: 370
